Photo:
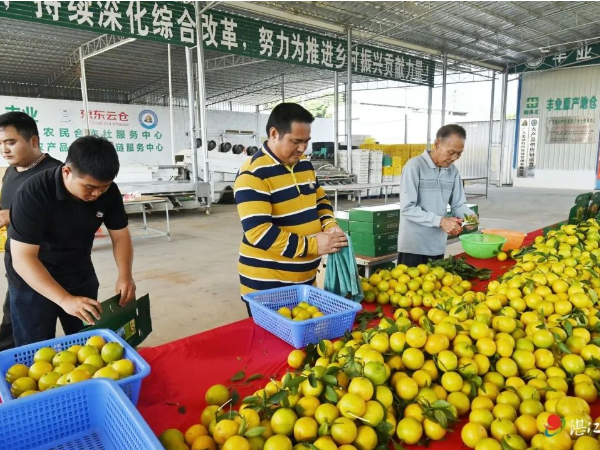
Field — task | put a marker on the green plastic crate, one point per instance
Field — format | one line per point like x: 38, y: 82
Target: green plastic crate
x: 374, y: 250
x: 374, y: 228
x: 342, y: 218
x: 374, y: 239
x: 376, y: 214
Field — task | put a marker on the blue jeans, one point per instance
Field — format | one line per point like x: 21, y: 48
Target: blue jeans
x: 34, y: 316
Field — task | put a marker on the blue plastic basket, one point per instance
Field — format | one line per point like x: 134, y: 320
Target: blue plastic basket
x: 24, y: 355
x: 94, y: 414
x: 339, y: 314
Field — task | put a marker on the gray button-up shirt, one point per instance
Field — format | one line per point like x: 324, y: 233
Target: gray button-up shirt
x: 425, y: 193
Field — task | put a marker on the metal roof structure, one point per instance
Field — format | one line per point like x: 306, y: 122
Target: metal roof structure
x: 494, y: 34
x: 38, y: 61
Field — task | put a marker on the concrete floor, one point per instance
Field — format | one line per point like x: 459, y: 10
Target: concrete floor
x: 193, y: 280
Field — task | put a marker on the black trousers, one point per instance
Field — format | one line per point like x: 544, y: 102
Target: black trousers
x: 34, y: 316
x: 413, y: 260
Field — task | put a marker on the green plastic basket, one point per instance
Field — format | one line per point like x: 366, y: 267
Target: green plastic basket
x: 482, y: 246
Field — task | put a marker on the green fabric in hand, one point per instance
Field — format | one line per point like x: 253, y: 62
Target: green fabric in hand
x: 341, y: 274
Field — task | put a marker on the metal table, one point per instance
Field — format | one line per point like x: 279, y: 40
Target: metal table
x: 357, y: 188
x: 464, y: 180
x: 172, y: 188
x: 151, y: 201
x: 368, y: 262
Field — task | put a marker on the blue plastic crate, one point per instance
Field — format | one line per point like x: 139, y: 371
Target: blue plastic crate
x: 94, y: 414
x: 24, y: 355
x: 339, y: 314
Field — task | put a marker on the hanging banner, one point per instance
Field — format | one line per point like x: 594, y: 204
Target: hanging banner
x: 167, y: 22
x: 141, y: 134
x: 231, y: 33
x: 528, y: 137
x: 173, y: 23
x: 583, y: 56
x: 534, y: 132
x: 572, y: 130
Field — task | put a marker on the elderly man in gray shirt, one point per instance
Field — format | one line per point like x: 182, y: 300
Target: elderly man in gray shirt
x: 431, y: 182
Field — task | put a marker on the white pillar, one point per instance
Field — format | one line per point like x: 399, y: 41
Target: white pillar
x: 489, y: 155
x: 336, y: 117
x: 202, y: 105
x: 444, y: 75
x: 171, y: 106
x: 84, y: 95
x: 502, y: 124
x: 191, y: 102
x: 349, y: 102
x: 258, y: 143
x: 405, y: 116
x: 429, y: 113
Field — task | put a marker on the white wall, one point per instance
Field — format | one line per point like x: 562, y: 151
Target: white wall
x: 561, y: 166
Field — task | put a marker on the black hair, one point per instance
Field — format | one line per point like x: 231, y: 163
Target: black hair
x: 23, y: 123
x: 284, y: 114
x: 448, y: 130
x: 94, y: 156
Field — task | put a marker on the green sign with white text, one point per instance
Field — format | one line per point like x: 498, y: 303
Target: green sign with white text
x: 174, y: 23
x: 583, y: 56
x: 168, y: 22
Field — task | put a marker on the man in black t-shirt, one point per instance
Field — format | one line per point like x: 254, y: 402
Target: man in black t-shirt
x: 19, y: 145
x: 54, y: 218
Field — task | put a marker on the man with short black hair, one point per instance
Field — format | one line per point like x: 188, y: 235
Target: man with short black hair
x: 19, y: 145
x: 54, y: 218
x: 287, y: 220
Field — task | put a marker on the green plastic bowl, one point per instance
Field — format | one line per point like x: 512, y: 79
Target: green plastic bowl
x: 482, y: 246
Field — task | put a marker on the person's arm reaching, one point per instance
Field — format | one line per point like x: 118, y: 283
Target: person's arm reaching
x: 123, y: 253
x: 25, y: 240
x: 4, y: 218
x: 458, y: 200
x: 254, y: 207
x: 27, y: 264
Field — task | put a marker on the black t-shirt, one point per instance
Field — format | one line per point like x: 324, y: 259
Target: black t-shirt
x: 13, y: 179
x: 44, y: 213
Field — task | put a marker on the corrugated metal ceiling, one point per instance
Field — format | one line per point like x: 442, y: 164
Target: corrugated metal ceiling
x: 500, y: 33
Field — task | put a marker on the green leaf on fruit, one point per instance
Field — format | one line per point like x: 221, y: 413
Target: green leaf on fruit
x: 238, y: 376
x: 255, y: 432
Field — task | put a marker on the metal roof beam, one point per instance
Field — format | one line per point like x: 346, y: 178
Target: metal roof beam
x: 330, y: 27
x: 458, y: 44
x: 94, y: 47
x: 230, y: 61
x: 547, y: 19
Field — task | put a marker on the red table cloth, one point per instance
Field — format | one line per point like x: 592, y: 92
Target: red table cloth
x: 183, y: 370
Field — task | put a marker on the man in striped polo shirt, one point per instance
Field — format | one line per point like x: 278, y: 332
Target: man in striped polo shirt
x: 287, y: 220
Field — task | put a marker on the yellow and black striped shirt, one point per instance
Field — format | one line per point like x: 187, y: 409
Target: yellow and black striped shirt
x: 281, y: 208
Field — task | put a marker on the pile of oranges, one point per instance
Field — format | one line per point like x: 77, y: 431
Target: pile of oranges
x: 515, y: 367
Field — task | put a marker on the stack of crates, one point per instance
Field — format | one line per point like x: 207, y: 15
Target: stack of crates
x: 375, y: 170
x: 388, y: 175
x: 359, y: 165
x: 374, y: 230
x: 417, y: 149
x: 343, y: 219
